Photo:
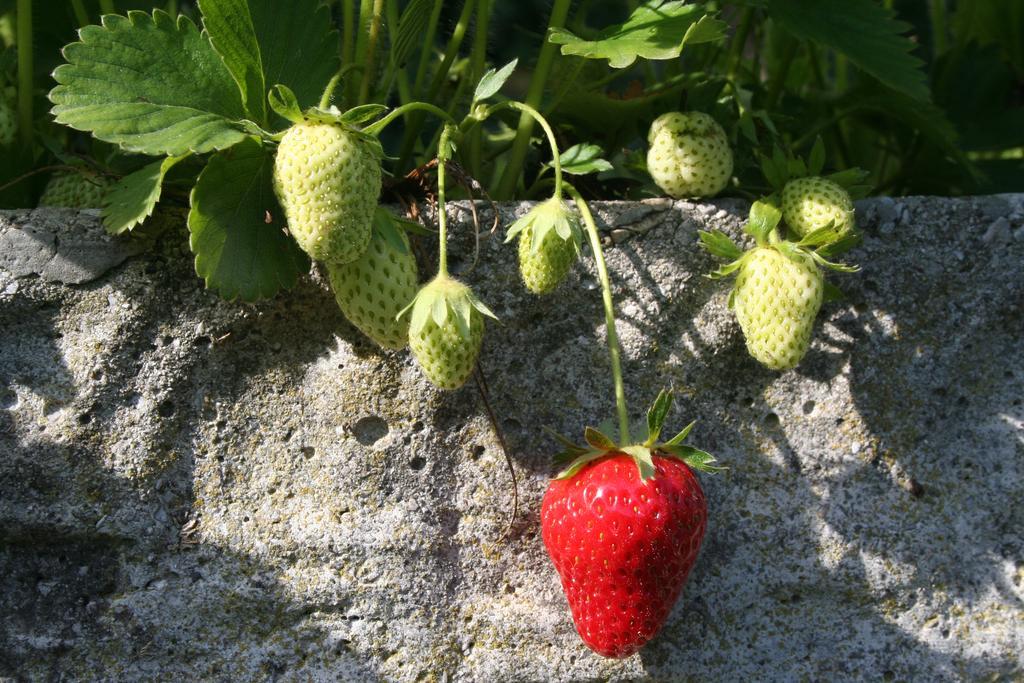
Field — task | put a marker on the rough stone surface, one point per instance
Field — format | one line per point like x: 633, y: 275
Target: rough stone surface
x: 198, y: 490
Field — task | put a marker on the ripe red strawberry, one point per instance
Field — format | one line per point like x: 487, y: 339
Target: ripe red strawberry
x: 623, y: 528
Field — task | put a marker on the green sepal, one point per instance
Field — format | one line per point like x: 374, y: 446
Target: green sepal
x: 726, y: 270
x: 577, y: 464
x: 356, y: 116
x: 839, y: 267
x: 643, y: 458
x: 699, y: 460
x: 826, y: 234
x: 284, y: 103
x: 656, y: 415
x: 717, y: 243
x: 764, y: 217
x: 598, y: 439
x: 840, y: 246
x: 681, y: 436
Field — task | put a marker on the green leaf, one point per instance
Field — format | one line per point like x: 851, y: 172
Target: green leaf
x: 719, y: 244
x: 598, y: 439
x: 284, y: 103
x: 150, y: 85
x: 862, y: 30
x: 229, y: 25
x: 411, y: 28
x: 681, y: 436
x: 298, y: 46
x: 237, y: 229
x: 582, y: 159
x: 816, y: 162
x: 706, y: 30
x: 652, y: 31
x: 491, y: 82
x: 656, y: 416
x: 131, y: 200
x: 840, y: 246
x: 365, y: 112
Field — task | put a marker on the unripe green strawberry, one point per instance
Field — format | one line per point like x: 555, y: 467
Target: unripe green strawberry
x: 75, y: 190
x: 776, y: 299
x: 372, y: 290
x: 689, y: 155
x: 549, y: 244
x: 809, y: 204
x: 446, y: 329
x: 8, y: 122
x: 327, y: 178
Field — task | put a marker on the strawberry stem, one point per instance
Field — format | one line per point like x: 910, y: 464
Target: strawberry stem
x: 609, y: 312
x: 556, y: 161
x: 379, y: 125
x: 443, y: 150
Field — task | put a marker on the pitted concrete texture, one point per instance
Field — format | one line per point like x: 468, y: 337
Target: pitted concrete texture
x: 192, y: 489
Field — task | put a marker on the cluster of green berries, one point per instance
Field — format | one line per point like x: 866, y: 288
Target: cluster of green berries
x: 327, y: 177
x: 779, y: 285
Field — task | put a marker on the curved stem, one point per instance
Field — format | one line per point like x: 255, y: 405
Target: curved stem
x: 556, y: 161
x: 377, y: 126
x: 609, y: 313
x: 25, y: 68
x: 442, y: 219
x: 507, y: 184
x: 325, y: 99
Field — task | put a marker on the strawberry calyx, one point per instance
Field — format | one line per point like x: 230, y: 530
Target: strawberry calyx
x: 551, y: 215
x: 442, y: 297
x: 599, y: 445
x: 763, y: 225
x: 284, y: 103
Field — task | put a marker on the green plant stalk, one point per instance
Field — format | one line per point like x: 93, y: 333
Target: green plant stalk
x: 107, y: 7
x: 567, y: 85
x: 25, y: 79
x: 609, y: 313
x: 521, y: 145
x: 362, y: 25
x: 442, y: 218
x: 379, y: 125
x: 412, y: 132
x: 937, y: 12
x: 739, y: 41
x: 81, y: 16
x: 371, y: 51
x: 348, y: 20
x: 478, y: 62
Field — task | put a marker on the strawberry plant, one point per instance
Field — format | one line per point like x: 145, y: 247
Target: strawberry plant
x: 283, y: 125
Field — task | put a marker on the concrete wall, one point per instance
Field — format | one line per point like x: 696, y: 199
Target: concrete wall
x: 198, y: 490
